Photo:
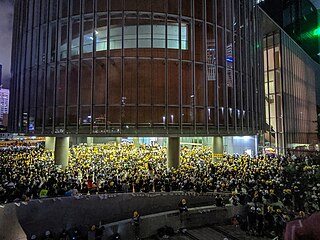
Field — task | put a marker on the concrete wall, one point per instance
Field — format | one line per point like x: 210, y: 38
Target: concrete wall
x: 149, y: 224
x: 10, y: 227
x: 55, y: 214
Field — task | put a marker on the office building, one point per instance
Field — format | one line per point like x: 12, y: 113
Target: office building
x: 127, y: 68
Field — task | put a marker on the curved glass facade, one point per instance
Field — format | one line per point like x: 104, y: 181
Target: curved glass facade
x: 131, y: 67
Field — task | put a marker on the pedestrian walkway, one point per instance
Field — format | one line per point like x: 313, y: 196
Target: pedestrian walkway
x: 229, y: 232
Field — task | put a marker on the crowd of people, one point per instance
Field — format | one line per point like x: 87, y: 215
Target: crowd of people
x: 275, y: 188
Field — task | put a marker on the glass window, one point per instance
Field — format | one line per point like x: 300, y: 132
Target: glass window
x: 49, y: 120
x: 50, y: 86
x: 128, y: 116
x: 173, y: 36
x: 32, y: 105
x: 40, y: 86
x: 229, y: 17
x: 101, y: 35
x: 144, y: 82
x: 88, y: 6
x: 221, y: 47
x: 53, y: 9
x: 36, y: 13
x: 87, y: 36
x: 173, y: 83
x: 220, y: 12
x: 28, y: 50
x: 131, y: 5
x: 113, y: 117
x: 144, y: 5
x: 221, y: 86
x: 30, y: 17
x: 187, y: 115
x: 61, y: 84
x: 73, y: 83
x: 187, y: 90
x: 99, y: 118
x: 63, y: 39
x: 39, y: 119
x: 52, y: 42
x: 160, y: 6
x: 210, y: 11
x: 75, y: 42
x: 159, y: 36
x: 200, y: 114
x: 186, y: 8
x: 173, y: 6
x: 75, y: 7
x: 144, y: 35
x: 211, y: 53
x: 129, y: 82
x: 59, y: 119
x: 102, y: 5
x: 85, y: 118
x: 85, y: 84
x: 130, y: 36
x: 99, y: 96
x: 198, y: 9
x: 114, y: 81
x: 116, y: 5
x: 199, y: 85
x: 145, y: 115
x: 158, y: 81
x: 115, y: 35
x: 44, y: 11
x: 72, y: 116
x: 64, y: 7
x: 173, y: 115
x: 187, y: 54
x: 199, y: 54
x: 35, y: 46
x: 159, y: 115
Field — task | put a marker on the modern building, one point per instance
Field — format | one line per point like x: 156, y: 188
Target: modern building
x: 299, y: 19
x: 0, y: 74
x: 126, y: 68
x: 290, y: 77
x: 4, y: 106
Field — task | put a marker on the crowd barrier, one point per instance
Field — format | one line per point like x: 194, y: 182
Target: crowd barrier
x: 23, y: 219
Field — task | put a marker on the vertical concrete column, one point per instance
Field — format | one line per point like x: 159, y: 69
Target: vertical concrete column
x: 173, y: 152
x: 217, y: 147
x: 136, y: 141
x: 89, y: 141
x: 50, y: 142
x: 61, y: 151
x: 118, y: 140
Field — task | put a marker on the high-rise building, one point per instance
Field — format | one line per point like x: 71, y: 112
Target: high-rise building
x: 4, y: 105
x: 299, y: 18
x: 191, y: 68
x: 0, y: 74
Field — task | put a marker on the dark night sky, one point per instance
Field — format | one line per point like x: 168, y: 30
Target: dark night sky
x: 6, y: 19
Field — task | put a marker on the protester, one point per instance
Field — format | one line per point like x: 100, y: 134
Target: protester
x: 279, y: 186
x: 136, y: 224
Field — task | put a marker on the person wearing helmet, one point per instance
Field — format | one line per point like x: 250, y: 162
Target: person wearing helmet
x: 33, y: 237
x: 252, y: 220
x: 48, y: 235
x: 183, y: 210
x: 136, y: 224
